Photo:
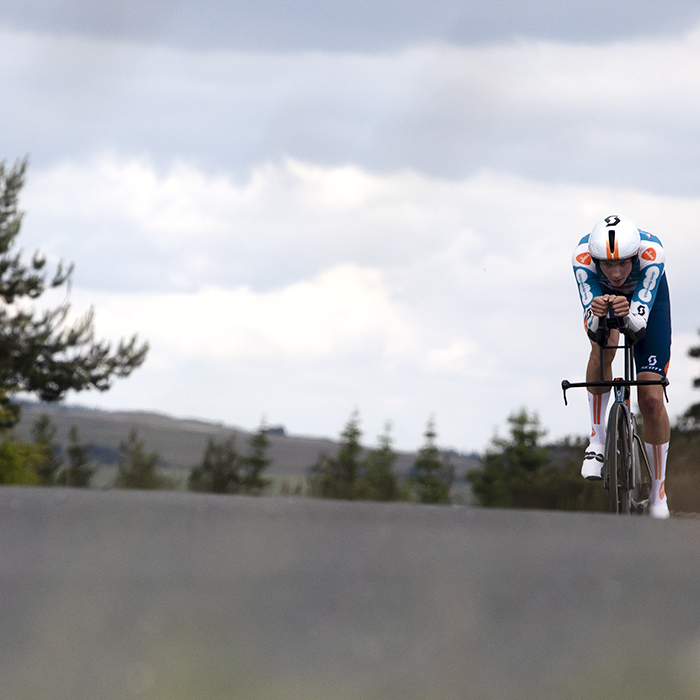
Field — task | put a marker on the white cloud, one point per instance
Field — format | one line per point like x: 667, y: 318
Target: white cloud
x: 286, y: 222
x: 339, y: 313
x: 401, y: 295
x: 291, y: 221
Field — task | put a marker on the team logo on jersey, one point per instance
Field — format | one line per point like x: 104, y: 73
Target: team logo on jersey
x: 649, y: 282
x: 652, y: 360
x: 584, y: 288
x: 649, y: 254
x: 584, y: 258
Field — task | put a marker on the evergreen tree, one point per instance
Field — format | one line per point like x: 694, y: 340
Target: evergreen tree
x: 382, y: 482
x: 432, y: 476
x: 255, y: 462
x: 80, y: 470
x: 219, y: 470
x: 506, y: 478
x: 348, y: 459
x: 695, y: 352
x: 339, y: 476
x: 690, y: 420
x: 518, y: 472
x: 136, y: 469
x: 522, y: 449
x: 40, y: 352
x: 48, y: 461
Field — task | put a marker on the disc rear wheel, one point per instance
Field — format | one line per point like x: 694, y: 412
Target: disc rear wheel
x: 641, y: 484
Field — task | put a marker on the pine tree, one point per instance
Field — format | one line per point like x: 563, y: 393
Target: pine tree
x: 339, y: 476
x: 690, y: 420
x: 382, y: 482
x: 48, y: 461
x: 80, y: 470
x: 219, y: 471
x: 509, y: 477
x: 255, y: 462
x: 519, y: 472
x: 695, y: 352
x: 432, y: 476
x: 136, y: 469
x: 42, y: 353
x: 348, y: 459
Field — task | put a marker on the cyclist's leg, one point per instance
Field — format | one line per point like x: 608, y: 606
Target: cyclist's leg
x: 652, y: 357
x: 657, y: 434
x: 593, y: 368
x: 598, y: 404
x: 657, y: 428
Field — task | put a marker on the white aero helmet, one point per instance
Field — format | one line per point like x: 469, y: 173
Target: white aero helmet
x: 614, y: 238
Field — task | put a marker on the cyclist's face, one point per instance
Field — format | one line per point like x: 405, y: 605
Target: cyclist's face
x: 617, y: 271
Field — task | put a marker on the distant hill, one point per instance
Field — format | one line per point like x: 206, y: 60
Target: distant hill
x: 181, y: 442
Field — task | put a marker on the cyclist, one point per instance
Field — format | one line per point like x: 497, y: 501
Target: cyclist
x: 619, y: 267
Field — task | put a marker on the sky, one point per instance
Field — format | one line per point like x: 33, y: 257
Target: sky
x: 312, y: 207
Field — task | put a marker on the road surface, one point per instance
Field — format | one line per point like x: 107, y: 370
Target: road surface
x: 171, y: 596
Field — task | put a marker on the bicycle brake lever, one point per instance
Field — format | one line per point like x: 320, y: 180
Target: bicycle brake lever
x: 566, y: 384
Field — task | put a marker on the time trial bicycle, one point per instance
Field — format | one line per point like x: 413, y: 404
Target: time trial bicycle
x: 626, y: 470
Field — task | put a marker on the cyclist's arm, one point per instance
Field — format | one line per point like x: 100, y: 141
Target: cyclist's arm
x: 652, y: 260
x: 589, y: 290
x: 651, y: 269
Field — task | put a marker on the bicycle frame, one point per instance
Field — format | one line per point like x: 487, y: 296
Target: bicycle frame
x: 627, y: 484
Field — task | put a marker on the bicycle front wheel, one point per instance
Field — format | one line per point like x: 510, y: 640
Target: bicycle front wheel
x: 618, y: 459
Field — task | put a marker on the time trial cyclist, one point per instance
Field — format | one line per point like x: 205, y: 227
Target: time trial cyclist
x: 619, y: 267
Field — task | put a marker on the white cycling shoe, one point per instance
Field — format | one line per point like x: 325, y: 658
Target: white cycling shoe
x: 592, y: 466
x: 659, y: 510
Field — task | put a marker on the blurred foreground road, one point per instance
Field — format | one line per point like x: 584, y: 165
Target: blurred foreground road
x: 166, y: 596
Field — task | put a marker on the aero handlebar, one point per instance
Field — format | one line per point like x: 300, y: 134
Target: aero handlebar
x: 607, y: 323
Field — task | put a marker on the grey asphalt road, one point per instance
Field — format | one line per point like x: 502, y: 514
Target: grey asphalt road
x: 167, y: 596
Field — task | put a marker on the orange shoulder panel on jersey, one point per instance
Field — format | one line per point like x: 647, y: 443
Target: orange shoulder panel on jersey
x: 649, y: 254
x: 584, y: 258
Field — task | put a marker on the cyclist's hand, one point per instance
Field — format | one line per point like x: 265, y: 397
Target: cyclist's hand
x: 619, y: 305
x: 599, y: 306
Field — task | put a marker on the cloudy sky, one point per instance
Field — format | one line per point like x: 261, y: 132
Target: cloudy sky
x: 314, y: 206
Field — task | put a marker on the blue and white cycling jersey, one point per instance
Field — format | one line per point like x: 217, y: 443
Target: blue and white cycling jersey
x: 640, y: 287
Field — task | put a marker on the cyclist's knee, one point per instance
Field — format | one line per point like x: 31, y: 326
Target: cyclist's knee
x: 651, y: 401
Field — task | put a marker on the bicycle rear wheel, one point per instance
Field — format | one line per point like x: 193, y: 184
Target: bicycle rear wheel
x: 641, y: 482
x: 618, y: 459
